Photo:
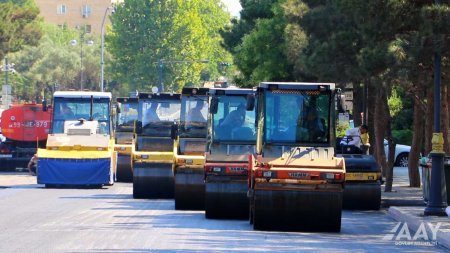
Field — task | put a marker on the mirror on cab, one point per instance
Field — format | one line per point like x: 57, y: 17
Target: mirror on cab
x: 214, y: 105
x: 174, y: 131
x: 138, y: 127
x: 250, y: 102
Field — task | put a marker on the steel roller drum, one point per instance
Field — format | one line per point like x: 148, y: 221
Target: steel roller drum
x: 291, y: 210
x: 153, y: 181
x: 190, y: 191
x: 226, y: 200
x: 124, y: 169
x: 362, y: 196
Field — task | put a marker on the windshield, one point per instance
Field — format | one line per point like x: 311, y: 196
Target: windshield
x: 296, y: 117
x: 232, y: 122
x: 194, y: 112
x: 128, y: 114
x: 157, y: 116
x: 80, y: 108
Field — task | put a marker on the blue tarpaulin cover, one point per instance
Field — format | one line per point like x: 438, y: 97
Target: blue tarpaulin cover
x: 73, y: 171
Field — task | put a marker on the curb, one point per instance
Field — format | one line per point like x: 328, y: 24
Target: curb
x: 414, y: 222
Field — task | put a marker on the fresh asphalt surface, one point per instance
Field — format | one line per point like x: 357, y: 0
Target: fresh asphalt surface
x: 36, y: 219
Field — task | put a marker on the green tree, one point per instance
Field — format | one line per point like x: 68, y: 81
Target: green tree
x: 55, y: 63
x: 177, y: 32
x: 262, y: 53
x: 252, y: 10
x: 19, y: 25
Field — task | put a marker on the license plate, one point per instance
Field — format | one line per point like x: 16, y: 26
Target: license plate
x: 360, y: 176
x: 302, y: 175
x: 267, y: 173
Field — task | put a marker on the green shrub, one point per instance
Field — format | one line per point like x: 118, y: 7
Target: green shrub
x: 341, y: 128
x: 403, y: 136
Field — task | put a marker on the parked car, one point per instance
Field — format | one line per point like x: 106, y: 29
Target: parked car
x: 401, y: 154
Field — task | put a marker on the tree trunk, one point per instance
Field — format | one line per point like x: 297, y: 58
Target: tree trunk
x: 370, y: 117
x: 413, y: 158
x: 429, y: 119
x: 380, y: 128
x: 390, y: 139
x: 358, y: 104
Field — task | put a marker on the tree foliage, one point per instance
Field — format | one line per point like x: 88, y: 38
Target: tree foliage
x: 19, y: 25
x: 145, y: 32
x: 55, y: 64
x: 382, y: 44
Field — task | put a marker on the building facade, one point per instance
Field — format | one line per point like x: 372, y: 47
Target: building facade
x: 80, y: 14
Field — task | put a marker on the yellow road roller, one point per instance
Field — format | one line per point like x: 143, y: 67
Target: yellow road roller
x: 296, y: 181
x: 155, y: 144
x: 80, y: 148
x: 362, y: 189
x: 190, y: 152
x: 126, y: 115
x: 232, y: 138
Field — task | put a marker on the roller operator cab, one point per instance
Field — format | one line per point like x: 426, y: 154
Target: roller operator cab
x: 231, y: 139
x: 80, y: 148
x: 190, y: 155
x: 126, y: 115
x: 154, y: 145
x: 296, y: 182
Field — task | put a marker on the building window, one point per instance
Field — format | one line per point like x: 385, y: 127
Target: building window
x: 86, y: 11
x: 61, y: 9
x: 88, y: 28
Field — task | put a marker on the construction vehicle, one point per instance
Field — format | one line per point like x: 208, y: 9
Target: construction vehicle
x: 363, y: 178
x: 190, y: 151
x: 126, y: 115
x: 231, y: 141
x: 154, y: 144
x: 80, y: 148
x: 296, y: 182
x: 25, y: 128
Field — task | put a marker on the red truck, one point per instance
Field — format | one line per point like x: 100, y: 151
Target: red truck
x: 24, y: 127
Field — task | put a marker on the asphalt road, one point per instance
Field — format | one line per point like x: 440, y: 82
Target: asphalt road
x: 35, y: 219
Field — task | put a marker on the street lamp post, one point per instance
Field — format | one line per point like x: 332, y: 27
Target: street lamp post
x: 74, y: 43
x: 7, y: 67
x: 436, y: 204
x: 102, y: 63
x: 161, y: 64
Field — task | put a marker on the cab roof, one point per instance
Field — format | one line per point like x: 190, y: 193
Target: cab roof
x: 81, y: 94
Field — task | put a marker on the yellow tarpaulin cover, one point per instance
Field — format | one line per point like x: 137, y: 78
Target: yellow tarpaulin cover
x: 75, y: 154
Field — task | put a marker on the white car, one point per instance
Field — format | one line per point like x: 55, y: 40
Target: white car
x: 401, y: 154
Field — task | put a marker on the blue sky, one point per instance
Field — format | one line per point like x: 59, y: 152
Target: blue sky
x: 233, y: 6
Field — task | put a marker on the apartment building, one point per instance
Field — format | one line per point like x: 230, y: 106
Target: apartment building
x: 76, y: 13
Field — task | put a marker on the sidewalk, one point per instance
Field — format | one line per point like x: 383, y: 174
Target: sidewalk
x: 406, y: 205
